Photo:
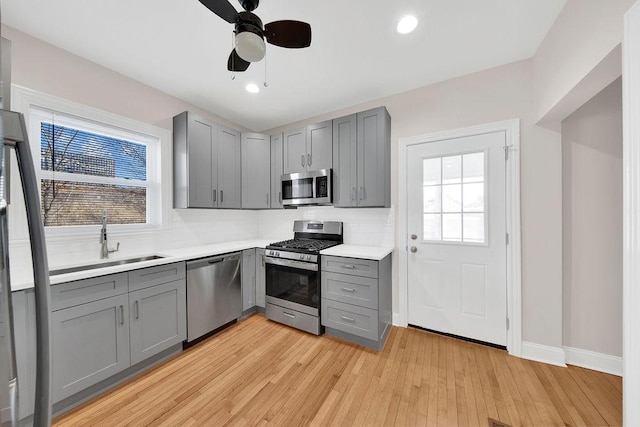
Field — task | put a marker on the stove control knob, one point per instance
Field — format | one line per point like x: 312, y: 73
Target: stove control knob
x: 308, y: 257
x: 277, y: 253
x: 301, y: 257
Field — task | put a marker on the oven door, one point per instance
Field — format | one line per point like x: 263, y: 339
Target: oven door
x: 293, y: 284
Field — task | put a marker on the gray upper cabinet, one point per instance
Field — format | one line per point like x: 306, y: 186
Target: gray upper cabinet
x: 295, y: 151
x: 319, y: 146
x: 229, y: 168
x: 308, y: 148
x: 256, y: 171
x: 206, y: 164
x: 276, y: 170
x: 361, y: 159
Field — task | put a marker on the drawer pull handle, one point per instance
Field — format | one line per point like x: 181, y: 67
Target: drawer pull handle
x: 121, y: 307
x: 348, y: 319
x: 293, y: 316
x: 351, y: 290
x: 350, y: 267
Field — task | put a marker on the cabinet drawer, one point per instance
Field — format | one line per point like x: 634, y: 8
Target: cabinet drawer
x: 146, y: 277
x: 82, y: 291
x: 354, y: 266
x: 356, y: 290
x: 355, y: 320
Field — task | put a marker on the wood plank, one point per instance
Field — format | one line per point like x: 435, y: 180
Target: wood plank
x: 261, y: 373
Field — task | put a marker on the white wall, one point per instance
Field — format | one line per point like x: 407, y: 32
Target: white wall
x: 584, y: 34
x: 592, y: 224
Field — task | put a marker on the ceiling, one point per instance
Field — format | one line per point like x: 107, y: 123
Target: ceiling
x: 356, y: 55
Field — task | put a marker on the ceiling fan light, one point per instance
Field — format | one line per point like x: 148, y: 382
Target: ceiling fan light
x: 252, y: 88
x: 407, y: 24
x: 250, y: 46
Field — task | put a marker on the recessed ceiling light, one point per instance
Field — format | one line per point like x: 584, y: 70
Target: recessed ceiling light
x: 252, y: 88
x: 407, y: 24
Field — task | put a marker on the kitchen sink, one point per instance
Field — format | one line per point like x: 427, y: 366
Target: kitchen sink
x: 103, y: 264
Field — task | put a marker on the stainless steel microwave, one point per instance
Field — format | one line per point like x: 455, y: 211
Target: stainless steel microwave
x: 306, y: 188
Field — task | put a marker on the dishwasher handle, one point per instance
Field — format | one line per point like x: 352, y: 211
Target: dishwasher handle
x: 202, y: 262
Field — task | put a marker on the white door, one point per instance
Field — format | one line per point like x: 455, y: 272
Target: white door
x: 457, y: 236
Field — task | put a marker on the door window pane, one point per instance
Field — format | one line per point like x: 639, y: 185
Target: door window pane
x: 473, y: 227
x: 432, y: 227
x: 452, y: 227
x: 473, y: 167
x: 473, y: 197
x: 454, y: 199
x: 432, y: 199
x: 452, y: 170
x: 431, y: 171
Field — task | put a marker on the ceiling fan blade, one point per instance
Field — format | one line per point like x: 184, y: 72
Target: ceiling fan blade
x: 237, y: 64
x: 291, y: 34
x: 223, y: 9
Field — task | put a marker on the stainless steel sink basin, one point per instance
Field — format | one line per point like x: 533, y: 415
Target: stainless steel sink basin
x: 103, y: 264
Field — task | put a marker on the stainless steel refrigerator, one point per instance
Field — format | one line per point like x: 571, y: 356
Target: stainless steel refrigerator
x: 14, y: 138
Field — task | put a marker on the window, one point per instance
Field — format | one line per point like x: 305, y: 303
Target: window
x: 454, y: 198
x: 86, y: 167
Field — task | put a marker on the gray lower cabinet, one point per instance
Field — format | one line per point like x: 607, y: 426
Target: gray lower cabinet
x: 256, y: 171
x: 133, y: 316
x: 276, y: 171
x: 248, y: 279
x: 356, y: 299
x: 261, y: 288
x: 90, y: 344
x: 157, y: 319
x: 361, y: 159
x: 206, y: 164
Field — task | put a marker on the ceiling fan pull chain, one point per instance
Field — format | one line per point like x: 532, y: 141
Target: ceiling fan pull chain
x: 265, y: 68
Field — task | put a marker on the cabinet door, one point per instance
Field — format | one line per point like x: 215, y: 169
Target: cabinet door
x: 319, y: 146
x: 229, y: 169
x: 248, y: 279
x: 158, y: 319
x: 294, y: 151
x: 256, y: 171
x: 344, y: 162
x: 373, y: 158
x: 90, y: 344
x: 276, y: 171
x: 201, y: 155
x: 261, y: 288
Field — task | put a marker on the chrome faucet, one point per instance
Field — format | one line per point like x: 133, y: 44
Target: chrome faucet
x: 104, y: 250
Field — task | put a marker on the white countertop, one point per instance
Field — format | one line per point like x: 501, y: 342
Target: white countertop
x: 363, y: 252
x: 18, y: 282
x: 25, y: 281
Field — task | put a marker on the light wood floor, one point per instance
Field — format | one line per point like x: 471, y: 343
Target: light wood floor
x: 261, y: 373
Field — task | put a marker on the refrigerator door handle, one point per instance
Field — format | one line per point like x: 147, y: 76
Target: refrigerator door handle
x: 17, y: 137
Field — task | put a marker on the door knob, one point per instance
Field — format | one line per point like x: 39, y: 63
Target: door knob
x: 414, y: 237
x: 414, y: 249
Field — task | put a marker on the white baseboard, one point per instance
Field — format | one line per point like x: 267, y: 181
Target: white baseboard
x: 543, y: 353
x: 395, y: 320
x: 592, y: 360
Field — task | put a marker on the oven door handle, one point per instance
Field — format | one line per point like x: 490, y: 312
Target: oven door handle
x: 290, y: 263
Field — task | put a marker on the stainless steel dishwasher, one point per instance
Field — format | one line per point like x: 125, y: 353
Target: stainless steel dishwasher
x: 214, y: 293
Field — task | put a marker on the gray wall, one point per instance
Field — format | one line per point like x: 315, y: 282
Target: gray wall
x: 592, y: 224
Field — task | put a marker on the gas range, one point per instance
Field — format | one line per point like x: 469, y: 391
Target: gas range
x: 293, y: 274
x: 310, y: 237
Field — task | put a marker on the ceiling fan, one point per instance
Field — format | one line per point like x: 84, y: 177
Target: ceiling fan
x: 250, y: 34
